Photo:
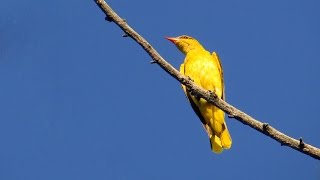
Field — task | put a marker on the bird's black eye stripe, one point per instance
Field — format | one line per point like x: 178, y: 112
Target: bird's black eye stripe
x: 185, y: 37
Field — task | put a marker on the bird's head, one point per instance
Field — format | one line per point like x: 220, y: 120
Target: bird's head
x: 185, y: 43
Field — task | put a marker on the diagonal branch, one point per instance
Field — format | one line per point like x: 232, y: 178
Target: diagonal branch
x: 211, y: 97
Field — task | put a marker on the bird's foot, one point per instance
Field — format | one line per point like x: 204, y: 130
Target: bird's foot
x: 188, y: 89
x: 213, y: 93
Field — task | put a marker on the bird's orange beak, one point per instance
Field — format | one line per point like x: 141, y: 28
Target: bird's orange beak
x: 172, y: 39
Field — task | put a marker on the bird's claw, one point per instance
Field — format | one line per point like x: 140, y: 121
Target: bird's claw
x: 212, y: 93
x: 189, y: 78
x: 188, y: 89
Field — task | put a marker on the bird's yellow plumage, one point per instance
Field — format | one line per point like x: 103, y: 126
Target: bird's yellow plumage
x: 206, y: 71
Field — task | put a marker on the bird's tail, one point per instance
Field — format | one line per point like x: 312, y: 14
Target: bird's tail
x: 221, y: 141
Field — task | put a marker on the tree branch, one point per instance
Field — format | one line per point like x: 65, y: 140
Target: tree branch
x: 211, y: 97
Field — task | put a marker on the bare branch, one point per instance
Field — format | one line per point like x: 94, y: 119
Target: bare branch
x: 211, y: 97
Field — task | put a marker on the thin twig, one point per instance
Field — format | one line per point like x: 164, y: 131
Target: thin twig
x: 211, y: 97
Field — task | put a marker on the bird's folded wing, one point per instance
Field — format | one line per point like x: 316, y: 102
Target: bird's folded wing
x: 217, y: 61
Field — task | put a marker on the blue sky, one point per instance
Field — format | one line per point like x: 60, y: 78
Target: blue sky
x: 78, y: 101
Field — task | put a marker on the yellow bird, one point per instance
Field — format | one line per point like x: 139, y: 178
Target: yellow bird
x: 206, y: 71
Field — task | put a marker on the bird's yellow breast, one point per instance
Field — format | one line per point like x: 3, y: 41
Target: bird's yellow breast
x: 203, y: 70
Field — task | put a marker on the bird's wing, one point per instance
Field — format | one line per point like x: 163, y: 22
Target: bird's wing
x: 193, y: 105
x: 216, y: 58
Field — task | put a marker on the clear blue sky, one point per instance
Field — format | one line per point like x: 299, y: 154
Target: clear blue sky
x: 78, y: 101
